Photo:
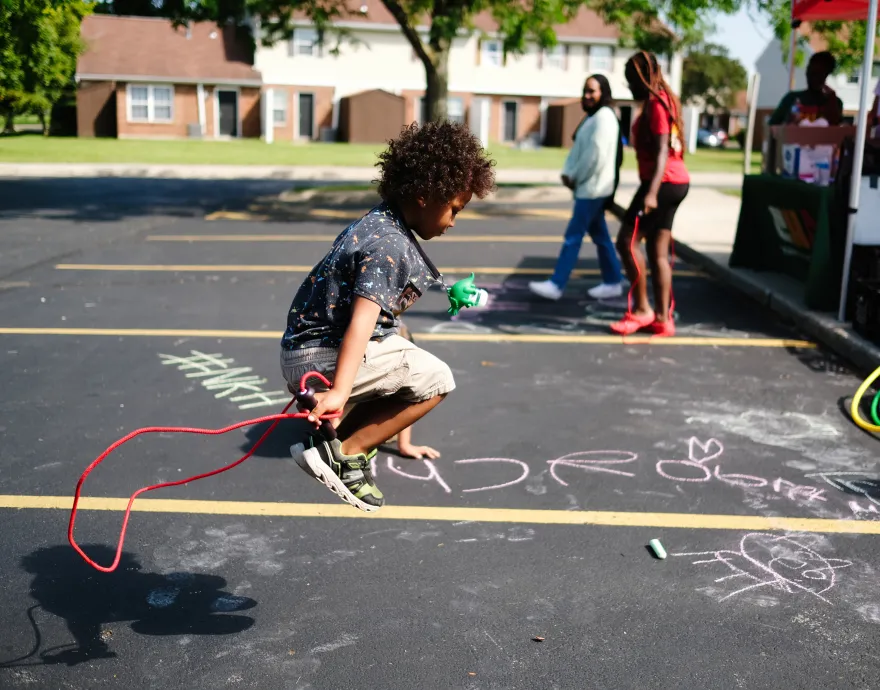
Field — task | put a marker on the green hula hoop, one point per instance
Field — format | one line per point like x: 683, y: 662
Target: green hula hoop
x: 874, y: 405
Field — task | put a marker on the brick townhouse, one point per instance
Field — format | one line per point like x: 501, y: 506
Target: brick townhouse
x: 142, y: 77
x: 512, y: 95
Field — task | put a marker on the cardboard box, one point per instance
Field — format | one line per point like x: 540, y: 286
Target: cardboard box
x: 811, y: 136
x: 785, y: 137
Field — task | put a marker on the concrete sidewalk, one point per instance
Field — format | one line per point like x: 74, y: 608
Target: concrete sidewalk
x: 313, y: 174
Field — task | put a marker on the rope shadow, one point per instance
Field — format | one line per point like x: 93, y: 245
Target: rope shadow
x: 66, y: 587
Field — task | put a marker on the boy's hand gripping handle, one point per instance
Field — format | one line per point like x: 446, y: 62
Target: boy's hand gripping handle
x: 306, y: 398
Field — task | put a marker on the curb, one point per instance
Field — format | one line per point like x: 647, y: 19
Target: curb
x: 824, y: 329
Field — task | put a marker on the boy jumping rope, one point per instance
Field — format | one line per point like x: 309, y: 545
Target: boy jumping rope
x: 344, y: 320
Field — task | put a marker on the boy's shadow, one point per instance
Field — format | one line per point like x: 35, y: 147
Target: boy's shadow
x: 173, y: 604
x: 288, y: 432
x: 278, y: 443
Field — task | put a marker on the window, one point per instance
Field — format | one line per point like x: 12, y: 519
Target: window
x: 601, y: 59
x: 304, y: 42
x: 492, y: 54
x: 139, y: 102
x: 663, y: 62
x: 162, y: 103
x: 554, y: 58
x: 147, y: 103
x: 279, y: 108
x: 455, y: 110
x: 420, y: 110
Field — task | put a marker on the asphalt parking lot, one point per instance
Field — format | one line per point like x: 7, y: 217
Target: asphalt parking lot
x: 564, y: 451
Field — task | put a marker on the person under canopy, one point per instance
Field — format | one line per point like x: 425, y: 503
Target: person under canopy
x: 817, y: 101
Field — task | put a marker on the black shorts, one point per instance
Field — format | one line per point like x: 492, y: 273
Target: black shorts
x: 669, y: 197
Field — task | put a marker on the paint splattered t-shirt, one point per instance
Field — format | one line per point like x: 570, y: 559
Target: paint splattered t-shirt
x: 374, y: 258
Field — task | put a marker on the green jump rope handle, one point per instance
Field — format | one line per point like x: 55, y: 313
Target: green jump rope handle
x: 465, y: 294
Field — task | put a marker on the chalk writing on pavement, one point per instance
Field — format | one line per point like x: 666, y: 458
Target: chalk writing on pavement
x: 237, y: 384
x: 779, y: 563
x: 863, y: 484
x: 701, y: 466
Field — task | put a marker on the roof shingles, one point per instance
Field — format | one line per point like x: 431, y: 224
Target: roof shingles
x: 119, y: 47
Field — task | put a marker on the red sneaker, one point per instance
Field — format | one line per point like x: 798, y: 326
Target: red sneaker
x: 665, y: 329
x: 630, y: 323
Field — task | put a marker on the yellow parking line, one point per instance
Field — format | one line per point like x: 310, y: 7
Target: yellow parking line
x: 549, y: 239
x: 284, y: 268
x: 612, y: 340
x: 739, y: 523
x: 147, y: 333
x: 428, y: 337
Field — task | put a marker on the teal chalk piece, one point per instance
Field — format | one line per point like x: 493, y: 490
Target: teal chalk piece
x: 465, y: 294
x: 657, y: 548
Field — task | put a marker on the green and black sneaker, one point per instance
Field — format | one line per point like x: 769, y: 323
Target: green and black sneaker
x: 348, y: 476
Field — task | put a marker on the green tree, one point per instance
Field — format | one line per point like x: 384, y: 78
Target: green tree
x: 658, y: 25
x: 41, y: 43
x: 711, y: 77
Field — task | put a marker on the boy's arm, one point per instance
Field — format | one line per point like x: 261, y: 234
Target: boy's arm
x: 364, y: 315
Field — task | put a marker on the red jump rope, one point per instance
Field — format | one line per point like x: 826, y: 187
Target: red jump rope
x: 632, y: 252
x: 305, y: 396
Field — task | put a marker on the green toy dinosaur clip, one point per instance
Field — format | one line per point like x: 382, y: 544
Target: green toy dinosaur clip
x: 465, y: 294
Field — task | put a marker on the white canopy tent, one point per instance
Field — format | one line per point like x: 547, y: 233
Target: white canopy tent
x: 846, y: 10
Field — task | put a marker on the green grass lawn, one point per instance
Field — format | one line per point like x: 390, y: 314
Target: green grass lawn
x: 732, y: 192
x: 28, y: 148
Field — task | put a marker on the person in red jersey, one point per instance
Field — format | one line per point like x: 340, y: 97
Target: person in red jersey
x: 658, y: 139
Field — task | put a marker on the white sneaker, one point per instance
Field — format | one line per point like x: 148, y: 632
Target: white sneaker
x: 606, y: 291
x: 546, y: 289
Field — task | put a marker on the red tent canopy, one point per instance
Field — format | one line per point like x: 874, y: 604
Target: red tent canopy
x: 842, y: 10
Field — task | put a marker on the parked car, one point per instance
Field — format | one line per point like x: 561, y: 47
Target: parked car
x: 711, y: 138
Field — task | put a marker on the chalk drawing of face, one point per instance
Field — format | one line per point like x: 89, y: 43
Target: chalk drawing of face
x: 777, y: 562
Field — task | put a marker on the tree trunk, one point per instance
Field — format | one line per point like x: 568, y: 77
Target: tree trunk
x: 437, y: 82
x: 10, y: 122
x: 42, y: 116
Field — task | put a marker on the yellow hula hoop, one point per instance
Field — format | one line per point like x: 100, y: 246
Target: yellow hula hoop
x: 857, y: 398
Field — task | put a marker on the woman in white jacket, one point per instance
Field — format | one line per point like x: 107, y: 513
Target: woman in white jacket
x: 591, y: 172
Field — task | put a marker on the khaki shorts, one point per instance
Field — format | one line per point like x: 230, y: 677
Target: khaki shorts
x: 393, y: 366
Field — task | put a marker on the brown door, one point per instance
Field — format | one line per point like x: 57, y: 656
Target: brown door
x: 306, y: 115
x: 228, y: 108
x: 510, y: 120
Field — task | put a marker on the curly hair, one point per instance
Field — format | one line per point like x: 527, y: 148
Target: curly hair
x: 437, y: 161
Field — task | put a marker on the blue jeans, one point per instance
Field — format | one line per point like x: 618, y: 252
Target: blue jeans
x: 588, y: 217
